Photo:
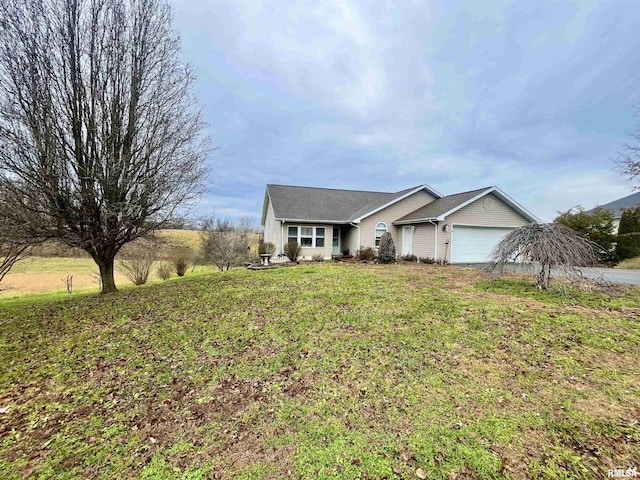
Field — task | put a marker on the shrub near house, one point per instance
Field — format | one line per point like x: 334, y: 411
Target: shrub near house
x: 387, y: 251
x: 292, y: 250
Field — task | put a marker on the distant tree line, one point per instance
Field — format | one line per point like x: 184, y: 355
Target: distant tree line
x: 598, y: 227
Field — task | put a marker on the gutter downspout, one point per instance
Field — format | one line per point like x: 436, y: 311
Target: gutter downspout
x: 282, y: 236
x: 435, y: 226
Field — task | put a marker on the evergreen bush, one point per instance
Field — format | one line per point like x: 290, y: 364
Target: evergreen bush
x: 387, y: 250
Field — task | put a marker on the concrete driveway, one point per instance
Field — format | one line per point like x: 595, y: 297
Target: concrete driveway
x: 630, y: 277
x: 618, y: 275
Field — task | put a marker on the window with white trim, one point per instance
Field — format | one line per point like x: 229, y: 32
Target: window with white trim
x: 292, y: 234
x: 381, y: 227
x: 308, y: 237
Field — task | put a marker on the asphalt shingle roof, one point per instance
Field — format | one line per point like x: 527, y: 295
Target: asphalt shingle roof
x: 616, y: 206
x: 441, y: 205
x: 326, y: 204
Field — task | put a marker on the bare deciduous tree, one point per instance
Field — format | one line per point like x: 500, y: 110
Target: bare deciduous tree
x: 548, y: 247
x: 628, y: 161
x: 247, y: 224
x: 101, y: 138
x: 10, y: 254
x: 224, y: 244
x: 136, y: 260
x: 14, y: 244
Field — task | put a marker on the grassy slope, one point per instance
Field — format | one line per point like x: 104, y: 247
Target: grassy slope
x: 633, y: 263
x: 48, y: 271
x: 43, y: 275
x: 319, y: 371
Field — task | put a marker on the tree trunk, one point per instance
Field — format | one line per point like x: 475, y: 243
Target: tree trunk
x: 544, y: 275
x: 106, y: 275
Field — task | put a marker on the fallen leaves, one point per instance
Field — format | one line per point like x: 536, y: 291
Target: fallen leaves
x: 347, y: 376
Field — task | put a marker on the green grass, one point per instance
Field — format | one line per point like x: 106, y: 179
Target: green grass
x: 74, y: 265
x: 55, y: 265
x: 43, y: 276
x: 322, y: 371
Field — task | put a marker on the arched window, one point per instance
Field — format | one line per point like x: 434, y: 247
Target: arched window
x: 380, y: 229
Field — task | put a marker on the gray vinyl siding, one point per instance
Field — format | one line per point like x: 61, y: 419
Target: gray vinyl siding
x: 424, y: 240
x: 350, y: 239
x: 501, y: 215
x: 389, y: 215
x: 272, y: 229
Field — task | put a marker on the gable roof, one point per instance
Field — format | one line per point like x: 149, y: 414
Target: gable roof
x: 328, y: 205
x: 439, y: 209
x: 617, y: 206
x: 390, y: 200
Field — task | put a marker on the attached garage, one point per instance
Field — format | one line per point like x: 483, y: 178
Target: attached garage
x: 464, y: 227
x: 474, y: 244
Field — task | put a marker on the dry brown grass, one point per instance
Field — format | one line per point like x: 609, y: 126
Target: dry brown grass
x: 43, y: 275
x: 632, y: 263
x: 47, y: 271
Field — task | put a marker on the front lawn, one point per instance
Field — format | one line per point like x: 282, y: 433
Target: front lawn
x: 322, y: 371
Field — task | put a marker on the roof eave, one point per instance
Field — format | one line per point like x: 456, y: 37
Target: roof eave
x: 416, y: 220
x: 506, y: 198
x: 265, y: 207
x: 523, y: 211
x: 310, y: 220
x: 433, y: 192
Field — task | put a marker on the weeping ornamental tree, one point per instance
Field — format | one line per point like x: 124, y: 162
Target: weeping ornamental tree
x: 101, y: 138
x: 548, y: 247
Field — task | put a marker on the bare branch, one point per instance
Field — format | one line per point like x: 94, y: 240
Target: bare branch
x: 550, y: 247
x: 101, y: 137
x: 224, y: 244
x: 628, y: 161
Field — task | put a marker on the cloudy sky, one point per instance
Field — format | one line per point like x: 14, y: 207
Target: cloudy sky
x: 534, y: 97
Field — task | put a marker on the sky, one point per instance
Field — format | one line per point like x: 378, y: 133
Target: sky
x: 533, y: 97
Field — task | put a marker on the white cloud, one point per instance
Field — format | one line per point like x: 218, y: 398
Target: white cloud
x: 385, y: 95
x: 588, y: 189
x: 321, y: 51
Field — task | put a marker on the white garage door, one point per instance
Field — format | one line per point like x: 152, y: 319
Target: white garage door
x: 475, y: 244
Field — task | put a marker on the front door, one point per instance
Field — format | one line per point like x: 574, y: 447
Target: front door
x: 407, y: 240
x: 335, y: 249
